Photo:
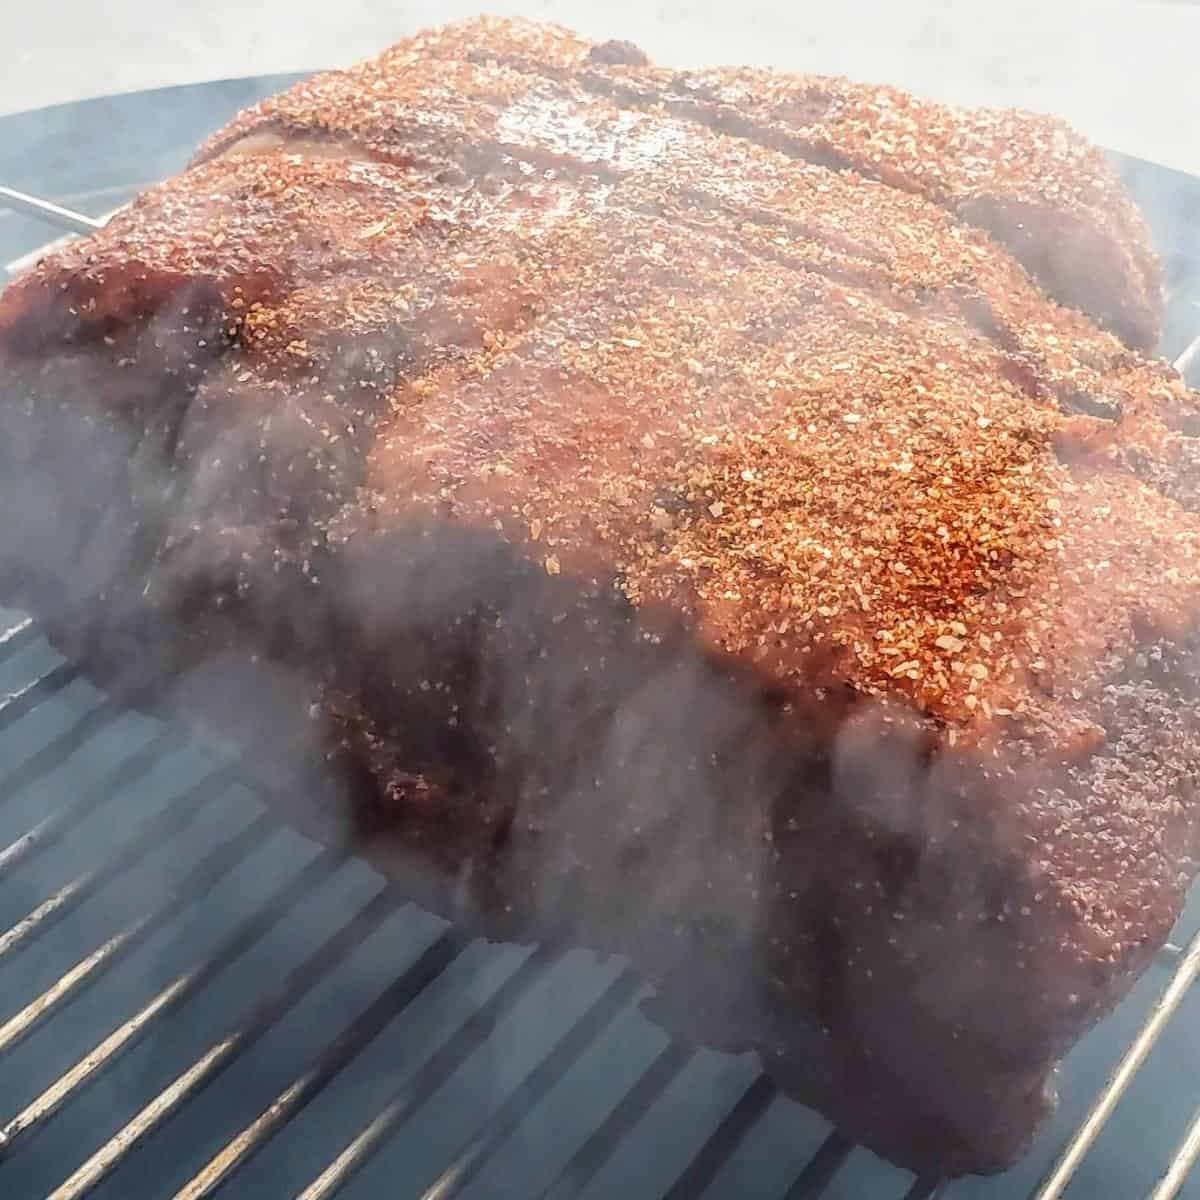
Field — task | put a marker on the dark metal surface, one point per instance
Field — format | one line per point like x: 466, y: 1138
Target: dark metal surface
x: 195, y: 1000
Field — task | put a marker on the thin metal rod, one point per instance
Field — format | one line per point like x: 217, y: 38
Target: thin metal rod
x: 53, y: 828
x: 474, y: 1156
x: 44, y: 210
x: 585, y: 1164
x: 56, y: 752
x: 341, y: 1052
x: 16, y: 637
x: 176, y: 815
x: 126, y: 1036
x: 17, y: 704
x: 218, y: 1057
x: 723, y: 1141
x: 821, y: 1168
x: 1183, y: 363
x: 427, y: 1078
x: 92, y: 967
x: 1059, y: 1177
x: 1181, y: 1165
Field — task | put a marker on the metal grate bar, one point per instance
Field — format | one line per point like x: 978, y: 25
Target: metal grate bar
x: 634, y: 1105
x: 821, y: 1169
x: 471, y: 1034
x: 90, y: 969
x: 16, y: 637
x: 44, y: 210
x: 341, y: 1052
x: 218, y: 1057
x: 725, y: 1139
x: 1061, y: 1174
x: 1180, y: 1166
x: 23, y: 701
x: 53, y: 754
x: 174, y: 817
x: 167, y: 1001
x: 475, y: 1155
x: 58, y: 824
x: 1183, y: 364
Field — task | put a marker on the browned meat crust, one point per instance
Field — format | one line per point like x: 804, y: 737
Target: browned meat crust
x: 1035, y: 185
x: 662, y: 537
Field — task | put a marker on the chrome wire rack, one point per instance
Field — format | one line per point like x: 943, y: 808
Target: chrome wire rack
x: 194, y: 998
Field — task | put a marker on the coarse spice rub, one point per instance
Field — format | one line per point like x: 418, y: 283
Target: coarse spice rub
x: 741, y: 493
x: 1031, y: 181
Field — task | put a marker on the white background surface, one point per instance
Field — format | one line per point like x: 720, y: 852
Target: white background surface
x: 1127, y: 74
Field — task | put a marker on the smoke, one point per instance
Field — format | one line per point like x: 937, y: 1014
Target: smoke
x: 526, y: 753
x: 573, y: 770
x: 612, y: 785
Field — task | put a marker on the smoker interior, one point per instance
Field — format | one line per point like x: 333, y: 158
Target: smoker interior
x: 194, y: 998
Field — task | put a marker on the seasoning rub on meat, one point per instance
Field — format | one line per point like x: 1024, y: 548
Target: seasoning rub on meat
x: 720, y: 517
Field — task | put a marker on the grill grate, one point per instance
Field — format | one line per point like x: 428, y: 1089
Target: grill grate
x: 168, y: 949
x: 695, y: 1111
